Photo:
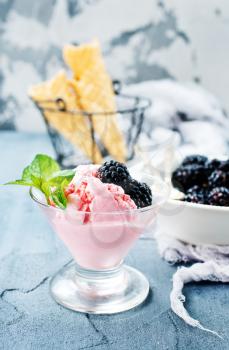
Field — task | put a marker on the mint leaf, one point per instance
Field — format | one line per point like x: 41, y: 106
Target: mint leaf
x: 26, y: 175
x: 46, y: 189
x: 58, y: 196
x: 43, y: 166
x: 61, y: 175
x: 56, y: 185
x: 25, y: 178
x: 44, y: 173
x: 20, y: 182
x: 36, y: 181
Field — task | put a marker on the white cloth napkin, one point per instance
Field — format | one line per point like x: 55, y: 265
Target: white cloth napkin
x: 186, y: 109
x: 210, y: 263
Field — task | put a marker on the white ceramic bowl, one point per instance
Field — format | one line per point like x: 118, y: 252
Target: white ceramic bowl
x: 195, y: 223
x: 190, y: 222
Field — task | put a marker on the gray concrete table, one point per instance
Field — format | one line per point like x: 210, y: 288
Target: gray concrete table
x: 30, y: 253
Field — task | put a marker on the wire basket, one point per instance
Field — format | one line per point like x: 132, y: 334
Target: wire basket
x: 130, y: 117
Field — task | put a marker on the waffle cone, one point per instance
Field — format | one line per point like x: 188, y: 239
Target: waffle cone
x: 95, y: 94
x: 75, y: 128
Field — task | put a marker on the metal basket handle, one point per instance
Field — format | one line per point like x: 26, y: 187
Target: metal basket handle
x: 117, y: 86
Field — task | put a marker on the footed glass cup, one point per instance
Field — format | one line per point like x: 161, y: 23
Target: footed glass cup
x: 97, y: 281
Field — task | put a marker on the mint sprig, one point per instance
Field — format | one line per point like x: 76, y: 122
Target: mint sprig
x: 45, y: 174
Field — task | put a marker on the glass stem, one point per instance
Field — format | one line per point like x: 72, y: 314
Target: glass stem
x: 100, y: 282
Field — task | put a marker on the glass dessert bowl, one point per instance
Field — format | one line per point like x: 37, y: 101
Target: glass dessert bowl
x: 97, y: 281
x: 98, y: 211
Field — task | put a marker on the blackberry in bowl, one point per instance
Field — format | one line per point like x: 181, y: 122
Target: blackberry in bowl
x: 198, y: 212
x: 195, y: 194
x: 187, y: 176
x: 218, y: 178
x: 197, y: 177
x: 219, y: 196
x: 195, y: 159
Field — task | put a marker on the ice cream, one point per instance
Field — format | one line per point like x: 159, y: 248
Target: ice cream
x: 97, y: 226
x: 101, y: 222
x: 89, y: 194
x: 98, y: 211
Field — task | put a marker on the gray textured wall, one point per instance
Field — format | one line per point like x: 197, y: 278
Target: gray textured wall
x: 142, y: 40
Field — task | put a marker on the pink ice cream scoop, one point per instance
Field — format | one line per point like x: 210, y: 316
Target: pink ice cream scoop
x: 100, y: 223
x: 91, y: 195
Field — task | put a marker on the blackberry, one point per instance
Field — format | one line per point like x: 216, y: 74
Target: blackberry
x: 114, y: 172
x: 219, y: 196
x: 194, y: 159
x: 195, y: 195
x: 139, y: 192
x: 213, y: 164
x: 186, y: 177
x: 193, y: 198
x: 218, y: 178
x: 224, y: 166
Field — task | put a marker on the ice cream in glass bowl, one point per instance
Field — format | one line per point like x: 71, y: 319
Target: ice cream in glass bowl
x: 98, y: 212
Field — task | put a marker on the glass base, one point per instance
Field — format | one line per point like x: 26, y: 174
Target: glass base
x: 99, y: 292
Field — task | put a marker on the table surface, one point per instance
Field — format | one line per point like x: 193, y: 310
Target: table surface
x: 30, y: 254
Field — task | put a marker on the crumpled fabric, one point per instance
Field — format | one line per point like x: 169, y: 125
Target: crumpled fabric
x: 175, y: 251
x: 185, y: 109
x: 210, y: 263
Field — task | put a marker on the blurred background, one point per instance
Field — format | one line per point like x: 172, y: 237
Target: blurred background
x: 142, y: 40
